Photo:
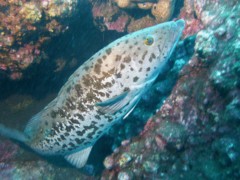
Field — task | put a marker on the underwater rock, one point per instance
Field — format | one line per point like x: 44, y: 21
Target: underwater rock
x: 26, y: 26
x: 163, y: 10
x: 195, y: 132
x: 130, y: 16
x: 191, y: 14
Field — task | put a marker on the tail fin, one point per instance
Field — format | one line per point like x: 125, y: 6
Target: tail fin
x: 12, y: 134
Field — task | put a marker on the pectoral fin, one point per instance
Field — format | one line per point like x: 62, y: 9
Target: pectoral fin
x: 114, y: 104
x: 79, y: 158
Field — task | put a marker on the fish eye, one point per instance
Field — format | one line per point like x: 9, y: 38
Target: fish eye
x: 149, y: 40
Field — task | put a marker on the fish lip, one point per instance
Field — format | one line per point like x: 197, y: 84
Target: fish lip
x: 180, y: 24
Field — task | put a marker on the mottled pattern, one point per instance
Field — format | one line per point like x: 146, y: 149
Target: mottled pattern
x: 73, y: 120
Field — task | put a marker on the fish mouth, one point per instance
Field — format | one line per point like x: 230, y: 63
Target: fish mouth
x: 180, y: 24
x: 177, y: 28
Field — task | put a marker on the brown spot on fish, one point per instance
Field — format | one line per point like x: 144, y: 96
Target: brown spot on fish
x: 97, y: 117
x: 144, y: 55
x: 140, y: 62
x: 87, y: 80
x: 62, y: 137
x: 127, y: 59
x: 118, y: 75
x: 148, y: 69
x: 79, y: 116
x: 78, y: 89
x: 71, y: 144
x: 110, y: 119
x: 92, y: 97
x: 81, y: 108
x: 126, y: 41
x: 79, y: 141
x: 97, y: 68
x: 68, y: 89
x: 101, y: 94
x: 53, y: 114
x: 126, y: 89
x: 108, y: 84
x: 153, y: 56
x: 69, y: 128
x: 66, y: 134
x: 104, y: 57
x: 61, y: 113
x: 140, y: 70
x: 70, y: 105
x: 111, y: 71
x: 135, y: 79
x: 122, y: 66
x: 74, y: 121
x: 118, y: 58
x: 108, y: 51
x: 86, y: 68
x: 80, y: 133
x: 99, y: 61
x: 99, y: 132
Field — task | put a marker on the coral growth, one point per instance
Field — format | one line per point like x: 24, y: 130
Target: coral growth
x: 192, y: 16
x: 153, y: 12
x: 25, y: 27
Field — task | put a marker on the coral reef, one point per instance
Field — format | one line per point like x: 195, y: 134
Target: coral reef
x: 25, y: 27
x: 118, y: 14
x: 195, y: 133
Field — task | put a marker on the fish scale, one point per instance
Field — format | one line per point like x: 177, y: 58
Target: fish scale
x: 105, y: 89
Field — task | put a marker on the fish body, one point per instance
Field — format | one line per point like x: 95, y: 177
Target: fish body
x: 100, y: 92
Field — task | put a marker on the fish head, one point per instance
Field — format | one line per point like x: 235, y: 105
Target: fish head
x: 144, y: 53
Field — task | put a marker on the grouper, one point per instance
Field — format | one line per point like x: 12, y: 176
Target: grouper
x: 102, y: 91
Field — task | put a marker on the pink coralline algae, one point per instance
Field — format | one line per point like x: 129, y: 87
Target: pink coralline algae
x: 22, y: 20
x: 103, y: 17
x: 188, y: 13
x: 119, y: 25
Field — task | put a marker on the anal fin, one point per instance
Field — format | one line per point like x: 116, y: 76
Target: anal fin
x: 79, y: 158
